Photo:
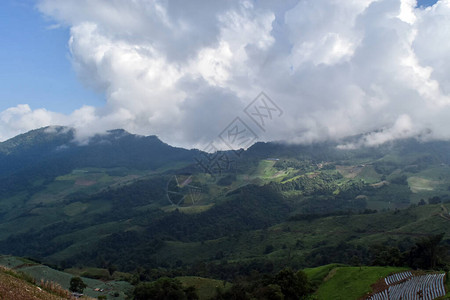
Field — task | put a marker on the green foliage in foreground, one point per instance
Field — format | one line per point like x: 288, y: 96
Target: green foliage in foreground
x: 333, y: 281
x: 317, y: 275
x: 285, y: 285
x: 164, y: 288
x: 349, y: 283
x: 206, y: 287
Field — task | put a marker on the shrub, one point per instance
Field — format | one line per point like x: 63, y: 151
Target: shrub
x: 164, y: 288
x: 77, y: 285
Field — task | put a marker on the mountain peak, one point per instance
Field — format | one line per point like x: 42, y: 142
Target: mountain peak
x: 40, y: 136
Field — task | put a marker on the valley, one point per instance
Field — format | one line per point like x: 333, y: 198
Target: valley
x: 154, y: 212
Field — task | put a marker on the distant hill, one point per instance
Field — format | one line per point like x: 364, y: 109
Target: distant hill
x: 43, y: 154
x: 135, y: 202
x: 116, y: 148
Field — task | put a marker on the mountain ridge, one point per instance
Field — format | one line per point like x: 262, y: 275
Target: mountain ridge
x: 135, y: 201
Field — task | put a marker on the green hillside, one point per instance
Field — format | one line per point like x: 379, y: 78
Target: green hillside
x: 149, y: 210
x: 348, y: 283
x: 40, y: 273
x: 14, y: 286
x: 93, y: 210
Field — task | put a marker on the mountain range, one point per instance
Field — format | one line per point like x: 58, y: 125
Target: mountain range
x: 135, y: 202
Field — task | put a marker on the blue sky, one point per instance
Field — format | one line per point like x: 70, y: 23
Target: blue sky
x: 35, y: 67
x: 425, y: 3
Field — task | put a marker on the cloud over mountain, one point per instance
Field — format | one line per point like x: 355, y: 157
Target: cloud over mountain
x: 183, y: 70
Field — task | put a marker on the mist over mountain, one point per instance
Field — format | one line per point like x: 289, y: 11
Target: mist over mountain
x: 140, y: 205
x: 115, y: 148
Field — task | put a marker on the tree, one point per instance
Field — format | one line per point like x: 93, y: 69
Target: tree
x: 164, y: 288
x: 237, y: 292
x: 294, y: 286
x: 77, y: 285
x: 111, y: 269
x: 387, y: 256
x: 434, y: 200
x: 191, y: 293
x: 270, y: 292
x: 427, y: 253
x: 269, y: 249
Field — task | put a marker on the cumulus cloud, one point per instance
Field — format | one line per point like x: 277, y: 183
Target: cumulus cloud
x: 184, y: 69
x: 16, y: 120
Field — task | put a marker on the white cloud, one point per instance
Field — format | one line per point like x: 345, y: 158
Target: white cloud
x: 401, y: 129
x: 407, y: 11
x: 184, y: 70
x: 21, y: 118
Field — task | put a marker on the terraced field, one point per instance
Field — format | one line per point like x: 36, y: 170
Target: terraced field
x: 405, y: 286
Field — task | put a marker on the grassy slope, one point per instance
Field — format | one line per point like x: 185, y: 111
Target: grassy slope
x: 45, y: 273
x: 318, y: 274
x: 63, y: 279
x: 9, y: 284
x: 348, y: 283
x: 14, y: 287
x: 99, y: 273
